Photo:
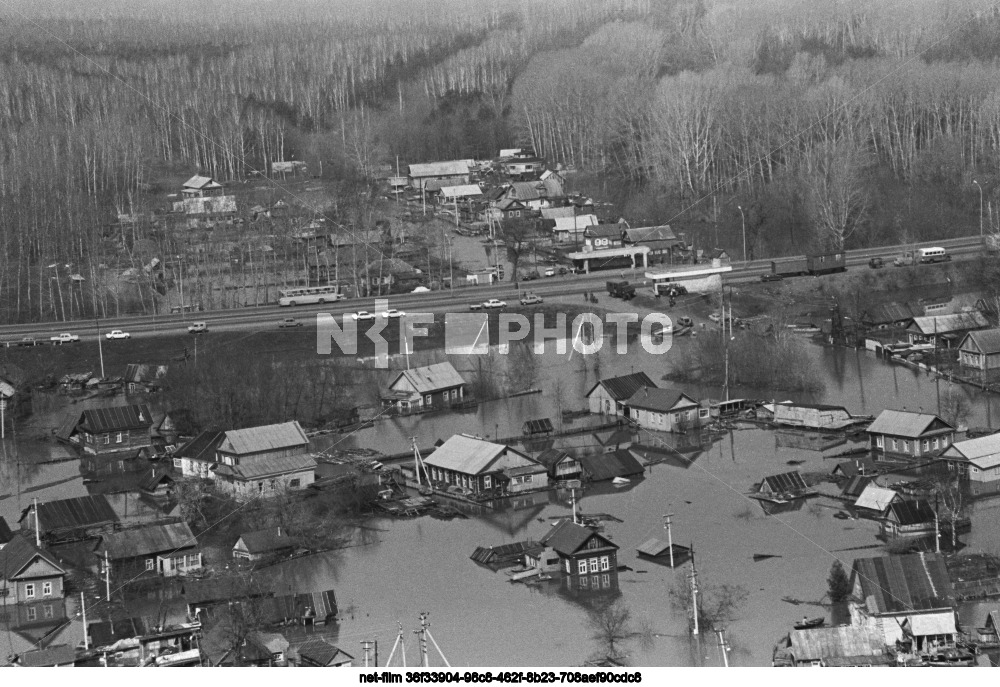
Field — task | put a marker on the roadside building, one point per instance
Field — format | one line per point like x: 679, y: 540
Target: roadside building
x: 157, y: 550
x: 598, y: 259
x: 559, y: 464
x: 695, y: 278
x: 320, y: 653
x: 609, y: 396
x: 907, y: 598
x: 581, y: 550
x: 603, y: 236
x: 424, y: 388
x: 666, y: 410
x: 261, y: 544
x: 664, y: 246
x: 571, y: 228
x: 980, y: 349
x: 386, y: 274
x: 481, y: 467
x: 119, y: 429
x: 29, y: 576
x: 907, y: 434
x: 945, y: 331
x: 73, y: 519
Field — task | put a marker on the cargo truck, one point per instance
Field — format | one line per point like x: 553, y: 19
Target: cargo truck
x: 621, y: 289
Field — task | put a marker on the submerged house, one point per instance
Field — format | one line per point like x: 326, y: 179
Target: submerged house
x: 605, y: 466
x: 423, y: 388
x: 560, y: 465
x: 666, y: 410
x: 811, y: 416
x: 70, y: 519
x: 842, y: 646
x: 261, y: 544
x: 263, y: 461
x: 140, y: 377
x: 28, y: 576
x: 320, y: 653
x: 158, y: 550
x: 980, y: 349
x: 609, y: 396
x: 105, y: 431
x: 581, y: 550
x: 482, y: 468
x: 875, y: 500
x: 787, y: 485
x: 978, y: 458
x: 907, y: 518
x: 907, y: 434
x: 945, y: 331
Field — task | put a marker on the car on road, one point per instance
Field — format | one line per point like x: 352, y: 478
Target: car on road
x: 65, y: 337
x: 27, y: 341
x: 563, y: 270
x: 289, y: 322
x: 529, y: 276
x: 685, y: 321
x: 362, y: 315
x: 715, y: 317
x: 393, y: 314
x: 117, y: 334
x: 876, y: 263
x: 771, y: 276
x: 531, y: 299
x: 551, y: 272
x: 494, y: 303
x: 421, y: 289
x: 198, y: 328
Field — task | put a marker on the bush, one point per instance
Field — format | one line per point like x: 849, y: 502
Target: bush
x: 839, y: 584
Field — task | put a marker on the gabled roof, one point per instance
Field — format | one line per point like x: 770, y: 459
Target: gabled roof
x: 471, y: 456
x: 266, y: 541
x: 552, y: 457
x: 851, y: 468
x: 155, y: 478
x: 82, y: 511
x: 510, y: 204
x: 431, y: 378
x: 576, y: 223
x: 525, y: 190
x: 567, y: 538
x: 652, y: 234
x: 887, y: 313
x: 389, y: 266
x: 145, y: 541
x: 986, y: 341
x: 901, y: 584
x: 605, y: 230
x: 461, y: 191
x: 971, y: 449
x: 320, y: 651
x: 945, y: 324
x: 268, y: 467
x: 621, y: 388
x: 841, y: 641
x: 876, y: 498
x: 604, y: 466
x: 660, y: 400
x: 911, y: 512
x: 116, y: 419
x: 201, y: 183
x: 504, y: 553
x: 986, y: 462
x: 555, y: 213
x: 265, y: 438
x: 856, y: 485
x: 901, y: 423
x: 440, y: 169
x: 785, y: 482
x: 931, y: 624
x: 18, y: 554
x: 142, y: 373
x: 202, y: 447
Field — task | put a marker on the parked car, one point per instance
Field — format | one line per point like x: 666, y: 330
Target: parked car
x: 117, y: 334
x: 563, y: 270
x: 494, y: 303
x: 876, y: 263
x: 550, y: 272
x: 529, y: 276
x: 27, y: 341
x: 362, y: 315
x: 393, y: 314
x: 771, y: 276
x: 685, y: 321
x: 65, y: 337
x: 198, y: 328
x: 531, y: 299
x: 421, y: 289
x: 289, y: 322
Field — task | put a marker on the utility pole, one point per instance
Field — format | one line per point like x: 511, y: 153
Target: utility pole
x: 100, y: 345
x: 38, y: 534
x: 83, y: 609
x: 573, y: 496
x: 725, y: 343
x: 694, y: 594
x: 723, y: 647
x: 670, y: 536
x: 422, y: 634
x: 3, y: 419
x: 937, y: 525
x: 107, y: 576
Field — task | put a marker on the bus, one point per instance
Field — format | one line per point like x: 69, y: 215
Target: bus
x: 309, y: 295
x: 930, y: 255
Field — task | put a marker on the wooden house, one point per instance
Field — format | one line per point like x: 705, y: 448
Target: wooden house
x: 70, y: 519
x: 945, y: 331
x: 29, y: 575
x: 909, y: 434
x: 786, y: 485
x: 143, y: 377
x: 391, y: 274
x: 609, y: 396
x: 506, y: 555
x: 812, y: 416
x: 603, y: 236
x: 449, y: 173
x: 875, y: 500
x: 320, y: 653
x: 523, y: 165
x: 119, y: 429
x: 260, y: 544
x: 989, y: 633
x: 581, y: 550
x: 607, y: 466
x: 908, y: 518
x: 196, y: 458
x: 483, y: 468
x: 560, y: 465
x: 264, y: 461
x: 571, y: 229
x: 980, y: 349
x: 156, y: 550
x: 424, y: 388
x: 984, y: 450
x: 201, y: 187
x: 843, y: 645
x: 666, y: 410
x: 664, y: 246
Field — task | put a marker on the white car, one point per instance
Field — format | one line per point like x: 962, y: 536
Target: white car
x: 392, y: 314
x: 65, y: 337
x: 362, y: 315
x: 118, y: 334
x: 531, y: 299
x: 550, y: 272
x: 421, y: 289
x: 494, y: 303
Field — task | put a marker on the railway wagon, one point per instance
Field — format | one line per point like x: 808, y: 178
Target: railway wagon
x: 824, y: 263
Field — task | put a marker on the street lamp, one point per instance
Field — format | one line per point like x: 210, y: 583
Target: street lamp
x: 743, y: 218
x: 980, y: 206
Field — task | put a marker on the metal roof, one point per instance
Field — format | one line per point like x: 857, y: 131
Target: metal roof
x: 83, y: 511
x: 439, y: 169
x: 118, y: 418
x: 932, y: 624
x: 660, y: 400
x: 552, y: 457
x: 461, y: 191
x: 986, y: 462
x: 604, y: 466
x: 887, y: 313
x: 785, y: 482
x: 911, y: 512
x: 621, y: 388
x: 200, y: 182
x: 840, y: 641
x: 986, y: 341
x: 493, y: 555
x: 875, y: 497
x: 266, y: 541
x: 202, y: 447
x: 856, y: 485
x: 657, y: 547
x: 145, y: 541
x: 901, y: 423
x: 577, y: 223
x: 268, y: 466
x: 555, y: 213
x: 18, y: 554
x: 605, y: 230
x: 532, y: 469
x: 472, y: 456
x: 539, y: 426
x: 648, y: 234
x: 431, y: 378
x: 970, y: 449
x: 900, y: 584
x: 265, y: 438
x: 318, y: 650
x: 567, y: 538
x: 525, y: 190
x: 946, y: 324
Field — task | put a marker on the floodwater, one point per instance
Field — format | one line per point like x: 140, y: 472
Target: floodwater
x: 478, y: 617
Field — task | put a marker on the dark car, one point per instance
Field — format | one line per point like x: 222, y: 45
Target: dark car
x: 685, y: 321
x: 530, y: 276
x: 876, y: 263
x: 771, y: 276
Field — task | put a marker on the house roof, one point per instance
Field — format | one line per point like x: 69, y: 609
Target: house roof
x: 621, y: 388
x: 389, y: 266
x: 856, y: 485
x: 652, y: 234
x: 556, y: 213
x: 202, y: 447
x: 850, y: 468
x: 144, y: 541
x: 986, y: 341
x: 604, y: 466
x: 902, y: 423
x: 605, y: 230
x: 466, y: 454
x: 786, y: 482
x: 439, y: 169
x: 505, y: 552
x: 5, y: 532
x: 567, y: 537
x: 986, y: 462
x: 117, y: 418
x: 899, y: 584
x: 932, y: 624
x: 266, y: 541
x: 886, y: 313
x: 142, y: 373
x: 911, y: 512
x: 201, y: 183
x: 552, y: 457
x: 269, y: 466
x: 58, y: 655
x: 431, y: 378
x: 461, y: 191
x: 525, y: 190
x: 264, y: 438
x: 510, y: 204
x: 875, y: 497
x: 946, y: 324
x: 18, y: 554
x: 834, y: 642
x: 155, y: 478
x: 576, y: 223
x: 971, y: 449
x: 538, y: 426
x: 82, y: 511
x: 660, y: 400
x: 322, y: 652
x: 530, y: 469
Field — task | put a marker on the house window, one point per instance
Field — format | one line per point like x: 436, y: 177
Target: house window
x: 906, y: 447
x: 605, y: 563
x: 703, y: 413
x: 944, y: 441
x: 31, y: 613
x: 595, y: 581
x: 107, y: 438
x: 895, y: 445
x: 260, y: 487
x: 194, y: 560
x: 927, y: 444
x: 294, y: 483
x: 935, y: 442
x: 150, y: 564
x: 582, y: 567
x: 47, y: 610
x: 568, y: 569
x: 29, y: 591
x: 583, y: 582
x: 606, y: 580
x: 594, y: 563
x: 46, y: 589
x: 118, y: 438
x: 427, y: 400
x: 487, y: 482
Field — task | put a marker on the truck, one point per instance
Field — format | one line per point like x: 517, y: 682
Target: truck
x: 621, y: 289
x: 816, y: 264
x: 65, y: 337
x: 904, y: 260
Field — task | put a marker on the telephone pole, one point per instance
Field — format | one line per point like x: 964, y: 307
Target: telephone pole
x: 694, y: 594
x: 723, y: 647
x: 670, y: 536
x: 422, y: 635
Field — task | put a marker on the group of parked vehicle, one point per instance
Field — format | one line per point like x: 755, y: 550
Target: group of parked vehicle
x: 837, y: 262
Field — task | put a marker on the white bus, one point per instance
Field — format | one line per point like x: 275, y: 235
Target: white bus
x: 309, y: 295
x: 935, y: 254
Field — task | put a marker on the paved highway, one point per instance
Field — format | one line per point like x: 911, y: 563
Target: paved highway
x: 436, y: 302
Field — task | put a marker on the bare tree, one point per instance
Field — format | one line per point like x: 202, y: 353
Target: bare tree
x: 613, y: 626
x: 837, y: 195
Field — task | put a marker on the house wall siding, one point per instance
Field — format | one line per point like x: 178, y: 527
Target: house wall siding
x: 905, y: 446
x: 131, y: 440
x: 666, y: 422
x: 266, y: 487
x: 600, y: 402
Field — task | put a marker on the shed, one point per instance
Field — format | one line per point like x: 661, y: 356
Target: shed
x: 535, y: 427
x: 505, y: 555
x: 876, y: 498
x: 659, y: 549
x: 784, y: 483
x: 605, y: 466
x: 70, y: 517
x: 318, y: 652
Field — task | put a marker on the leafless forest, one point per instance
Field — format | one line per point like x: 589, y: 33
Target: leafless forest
x: 837, y: 123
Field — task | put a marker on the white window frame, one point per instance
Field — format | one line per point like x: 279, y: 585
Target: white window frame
x: 31, y: 614
x: 605, y: 563
x: 118, y: 438
x: 487, y: 482
x: 581, y: 566
x: 46, y: 589
x: 879, y: 441
x: 29, y: 590
x: 895, y: 445
x: 150, y: 564
x: 595, y: 563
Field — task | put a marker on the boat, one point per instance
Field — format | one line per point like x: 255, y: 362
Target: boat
x: 806, y: 624
x: 621, y: 481
x: 764, y: 556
